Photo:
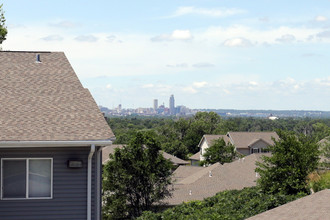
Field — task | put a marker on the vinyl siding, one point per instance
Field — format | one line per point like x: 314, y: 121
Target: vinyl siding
x: 69, y: 187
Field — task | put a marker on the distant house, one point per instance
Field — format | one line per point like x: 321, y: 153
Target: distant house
x: 197, y: 183
x: 245, y: 142
x: 51, y: 137
x: 312, y: 207
x: 111, y: 149
x: 195, y: 159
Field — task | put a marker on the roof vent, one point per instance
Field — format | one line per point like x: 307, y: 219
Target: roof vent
x: 38, y: 60
x: 210, y: 173
x: 190, y: 192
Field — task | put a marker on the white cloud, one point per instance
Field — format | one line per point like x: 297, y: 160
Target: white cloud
x: 64, y: 24
x: 203, y: 65
x: 190, y: 90
x: 324, y: 34
x: 222, y: 12
x: 237, y: 42
x: 109, y: 86
x: 320, y: 18
x: 175, y: 35
x: 287, y: 38
x: 200, y: 84
x: 86, y: 38
x: 53, y: 37
x: 146, y: 86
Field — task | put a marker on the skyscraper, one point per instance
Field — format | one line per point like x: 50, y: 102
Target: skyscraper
x: 172, y: 106
x: 155, y: 104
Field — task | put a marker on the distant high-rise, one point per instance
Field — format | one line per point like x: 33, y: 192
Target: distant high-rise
x: 155, y: 104
x: 172, y: 106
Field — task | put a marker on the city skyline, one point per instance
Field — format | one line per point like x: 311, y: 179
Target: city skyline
x: 210, y: 54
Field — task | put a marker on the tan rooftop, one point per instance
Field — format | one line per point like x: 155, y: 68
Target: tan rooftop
x: 45, y: 101
x: 245, y: 139
x: 111, y: 149
x: 199, y: 185
x: 312, y: 207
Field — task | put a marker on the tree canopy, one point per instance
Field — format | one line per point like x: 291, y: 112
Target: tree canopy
x: 285, y: 171
x: 220, y: 152
x: 3, y: 28
x: 135, y: 178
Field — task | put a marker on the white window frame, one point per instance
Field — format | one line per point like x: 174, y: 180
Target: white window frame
x: 27, y: 178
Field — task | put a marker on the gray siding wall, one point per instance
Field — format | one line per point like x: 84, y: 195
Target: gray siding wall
x: 69, y: 187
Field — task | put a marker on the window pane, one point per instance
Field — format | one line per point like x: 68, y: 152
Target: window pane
x: 14, y: 178
x: 39, y: 178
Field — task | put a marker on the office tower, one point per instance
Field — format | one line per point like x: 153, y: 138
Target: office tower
x: 172, y: 106
x: 155, y: 104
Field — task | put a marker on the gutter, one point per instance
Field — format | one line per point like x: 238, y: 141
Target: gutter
x: 22, y: 144
x: 89, y: 183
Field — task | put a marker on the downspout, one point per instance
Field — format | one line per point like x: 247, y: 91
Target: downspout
x: 89, y: 183
x: 98, y: 182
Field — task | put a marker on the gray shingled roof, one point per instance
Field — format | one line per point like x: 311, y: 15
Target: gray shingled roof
x: 210, y: 138
x: 46, y: 101
x: 196, y: 156
x: 111, y: 149
x: 235, y: 175
x: 315, y: 206
x: 245, y: 139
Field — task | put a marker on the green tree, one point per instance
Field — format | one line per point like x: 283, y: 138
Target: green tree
x: 285, y: 171
x: 3, y: 28
x: 136, y: 177
x: 220, y: 152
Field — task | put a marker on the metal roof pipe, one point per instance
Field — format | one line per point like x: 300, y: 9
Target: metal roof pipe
x: 89, y: 183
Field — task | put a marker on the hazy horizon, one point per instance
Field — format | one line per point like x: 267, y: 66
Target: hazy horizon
x: 209, y: 54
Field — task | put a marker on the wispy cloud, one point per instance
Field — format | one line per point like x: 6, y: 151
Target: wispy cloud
x: 65, y: 24
x: 324, y: 34
x: 203, y: 65
x: 237, y: 42
x: 182, y: 35
x: 320, y: 18
x: 212, y: 12
x: 54, y: 37
x: 177, y: 65
x: 86, y: 38
x: 287, y: 38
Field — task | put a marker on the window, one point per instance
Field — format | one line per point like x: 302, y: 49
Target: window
x: 30, y: 178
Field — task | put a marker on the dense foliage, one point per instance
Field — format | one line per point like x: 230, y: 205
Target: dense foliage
x: 232, y: 204
x: 320, y: 181
x: 135, y: 178
x: 181, y: 136
x: 3, y: 28
x: 286, y: 170
x: 220, y: 152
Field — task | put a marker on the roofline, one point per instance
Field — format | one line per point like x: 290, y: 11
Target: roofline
x: 24, y: 144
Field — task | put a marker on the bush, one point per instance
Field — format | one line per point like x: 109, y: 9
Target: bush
x: 231, y: 204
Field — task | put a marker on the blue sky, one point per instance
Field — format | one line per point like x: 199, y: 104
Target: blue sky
x: 209, y: 54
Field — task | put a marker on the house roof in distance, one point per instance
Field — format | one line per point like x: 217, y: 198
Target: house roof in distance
x: 45, y: 101
x: 245, y: 139
x: 111, y: 149
x: 197, y: 183
x: 315, y: 206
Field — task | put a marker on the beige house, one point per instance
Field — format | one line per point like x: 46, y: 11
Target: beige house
x: 245, y: 142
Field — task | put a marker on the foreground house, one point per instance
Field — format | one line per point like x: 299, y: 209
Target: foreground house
x: 198, y: 183
x: 245, y: 143
x: 111, y: 149
x: 51, y: 136
x: 312, y: 207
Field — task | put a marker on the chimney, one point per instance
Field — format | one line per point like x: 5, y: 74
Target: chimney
x: 38, y: 60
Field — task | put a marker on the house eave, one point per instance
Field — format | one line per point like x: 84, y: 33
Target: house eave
x: 25, y: 144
